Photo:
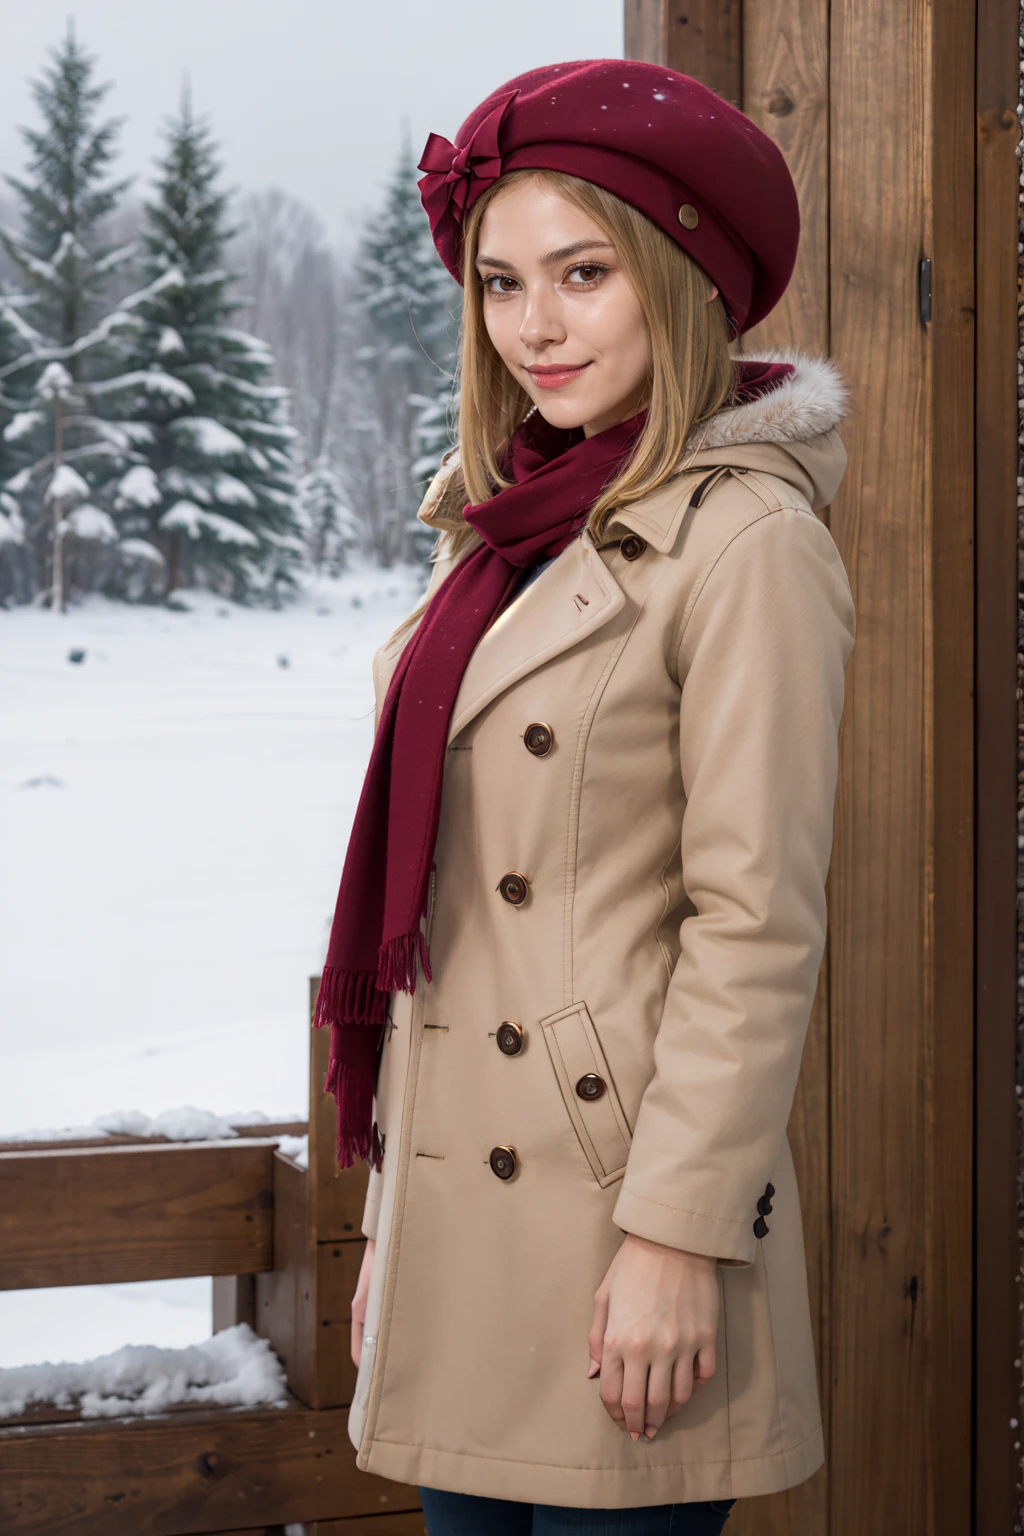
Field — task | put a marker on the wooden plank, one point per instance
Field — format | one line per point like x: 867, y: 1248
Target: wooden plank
x: 785, y: 91
x: 997, y: 1254
x: 196, y: 1473
x: 234, y: 1301
x: 901, y: 956
x: 878, y: 97
x: 337, y: 1270
x: 65, y: 1144
x: 949, y: 718
x: 705, y: 39
x: 412, y: 1523
x: 644, y: 31
x: 135, y: 1213
x: 285, y: 1302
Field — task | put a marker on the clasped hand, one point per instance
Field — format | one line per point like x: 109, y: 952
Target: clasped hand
x: 653, y: 1335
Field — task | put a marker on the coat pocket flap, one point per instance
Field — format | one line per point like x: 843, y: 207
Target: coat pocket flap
x: 588, y: 1090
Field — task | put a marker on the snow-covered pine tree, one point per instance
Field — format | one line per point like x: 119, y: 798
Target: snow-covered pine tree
x: 63, y: 266
x: 435, y: 434
x: 214, y: 495
x: 406, y: 301
x: 330, y: 526
x: 16, y: 563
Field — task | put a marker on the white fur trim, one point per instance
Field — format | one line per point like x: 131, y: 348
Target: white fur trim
x: 811, y: 401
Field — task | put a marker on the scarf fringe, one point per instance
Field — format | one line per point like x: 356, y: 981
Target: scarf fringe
x: 349, y: 997
x: 352, y: 1087
x: 396, y: 962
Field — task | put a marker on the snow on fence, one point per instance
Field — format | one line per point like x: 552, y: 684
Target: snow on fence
x: 244, y: 1433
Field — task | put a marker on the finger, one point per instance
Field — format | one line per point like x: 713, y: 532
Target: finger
x: 682, y: 1382
x: 611, y: 1384
x: 595, y: 1338
x: 357, y: 1341
x: 704, y: 1367
x: 634, y: 1394
x: 659, y: 1392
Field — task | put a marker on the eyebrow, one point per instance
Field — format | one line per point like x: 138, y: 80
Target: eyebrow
x: 552, y: 256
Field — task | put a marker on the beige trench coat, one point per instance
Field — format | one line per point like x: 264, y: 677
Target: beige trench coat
x: 674, y: 842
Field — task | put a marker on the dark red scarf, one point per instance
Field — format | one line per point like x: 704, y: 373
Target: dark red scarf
x: 376, y: 941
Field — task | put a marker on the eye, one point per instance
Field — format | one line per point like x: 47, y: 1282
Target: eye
x: 499, y: 282
x: 585, y: 274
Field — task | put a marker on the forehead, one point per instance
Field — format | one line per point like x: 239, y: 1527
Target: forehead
x: 531, y: 218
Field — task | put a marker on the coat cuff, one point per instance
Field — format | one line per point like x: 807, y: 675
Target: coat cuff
x: 371, y: 1206
x: 718, y: 1237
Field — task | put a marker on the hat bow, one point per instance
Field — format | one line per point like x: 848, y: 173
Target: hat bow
x: 457, y: 173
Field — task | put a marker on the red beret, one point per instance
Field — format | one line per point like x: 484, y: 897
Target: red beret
x: 698, y: 167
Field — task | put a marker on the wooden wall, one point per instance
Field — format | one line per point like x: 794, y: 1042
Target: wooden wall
x: 873, y: 104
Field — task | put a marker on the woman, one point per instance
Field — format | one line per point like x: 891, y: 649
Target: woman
x: 583, y: 907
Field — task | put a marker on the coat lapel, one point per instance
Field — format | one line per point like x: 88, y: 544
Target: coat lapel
x: 572, y: 599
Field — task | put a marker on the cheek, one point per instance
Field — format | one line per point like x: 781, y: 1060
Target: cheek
x: 616, y: 326
x: 501, y: 323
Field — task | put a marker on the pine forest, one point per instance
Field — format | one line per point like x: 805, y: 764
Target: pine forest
x: 196, y: 388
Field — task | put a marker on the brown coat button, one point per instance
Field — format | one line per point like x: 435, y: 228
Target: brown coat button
x: 539, y: 739
x: 514, y: 888
x: 591, y: 1086
x: 503, y: 1161
x: 632, y: 547
x: 510, y: 1038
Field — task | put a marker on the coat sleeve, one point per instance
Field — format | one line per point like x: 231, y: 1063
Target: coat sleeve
x: 761, y: 662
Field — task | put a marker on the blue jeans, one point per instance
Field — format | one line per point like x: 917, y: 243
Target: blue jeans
x: 463, y: 1514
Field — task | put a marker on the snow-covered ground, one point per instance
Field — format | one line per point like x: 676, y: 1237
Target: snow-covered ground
x: 173, y: 815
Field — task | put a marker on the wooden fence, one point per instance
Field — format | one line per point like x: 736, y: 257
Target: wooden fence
x: 284, y: 1246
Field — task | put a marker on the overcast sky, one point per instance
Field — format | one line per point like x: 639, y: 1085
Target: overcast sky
x: 309, y: 95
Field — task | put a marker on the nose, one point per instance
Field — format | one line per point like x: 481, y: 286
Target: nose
x: 542, y: 324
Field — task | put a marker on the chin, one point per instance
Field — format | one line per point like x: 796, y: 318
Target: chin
x: 565, y: 414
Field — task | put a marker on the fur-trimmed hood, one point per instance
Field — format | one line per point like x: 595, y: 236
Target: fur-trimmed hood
x: 790, y: 430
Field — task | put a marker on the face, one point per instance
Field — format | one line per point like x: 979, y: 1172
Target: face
x: 559, y: 309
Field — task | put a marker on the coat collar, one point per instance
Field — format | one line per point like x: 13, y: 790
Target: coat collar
x: 573, y: 598
x: 577, y: 595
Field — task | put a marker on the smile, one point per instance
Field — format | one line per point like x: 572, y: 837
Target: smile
x: 555, y: 375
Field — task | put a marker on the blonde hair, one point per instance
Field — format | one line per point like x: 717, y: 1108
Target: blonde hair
x: 691, y: 373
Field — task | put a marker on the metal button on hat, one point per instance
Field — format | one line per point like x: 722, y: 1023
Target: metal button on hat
x: 591, y: 1086
x: 503, y: 1161
x: 510, y: 1038
x: 539, y: 738
x: 514, y: 888
x: 632, y: 547
x: 689, y: 218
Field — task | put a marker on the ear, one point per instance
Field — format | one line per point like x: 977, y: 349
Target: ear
x: 713, y: 294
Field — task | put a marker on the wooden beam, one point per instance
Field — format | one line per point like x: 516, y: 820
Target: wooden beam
x: 785, y: 91
x: 115, y: 1214
x: 78, y: 1143
x: 997, y: 1248
x: 645, y: 31
x: 223, y: 1471
x: 703, y: 39
x: 234, y: 1301
x: 901, y: 956
x: 412, y: 1523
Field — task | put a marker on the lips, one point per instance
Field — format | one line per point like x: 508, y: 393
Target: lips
x: 556, y: 375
